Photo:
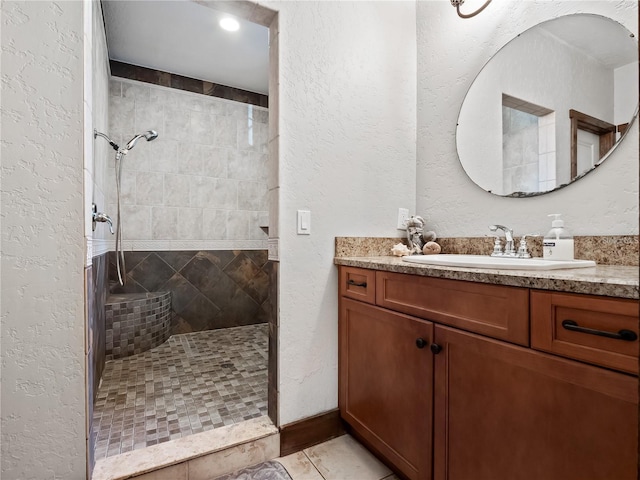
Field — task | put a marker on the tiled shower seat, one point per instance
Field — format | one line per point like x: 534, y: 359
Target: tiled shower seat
x: 136, y: 322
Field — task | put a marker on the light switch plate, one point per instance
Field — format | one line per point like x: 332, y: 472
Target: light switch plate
x: 403, y: 216
x: 304, y: 222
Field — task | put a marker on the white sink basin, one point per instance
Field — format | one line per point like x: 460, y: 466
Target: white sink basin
x: 501, y: 263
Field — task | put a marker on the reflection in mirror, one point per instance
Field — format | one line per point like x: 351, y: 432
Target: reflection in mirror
x: 550, y: 106
x: 591, y: 140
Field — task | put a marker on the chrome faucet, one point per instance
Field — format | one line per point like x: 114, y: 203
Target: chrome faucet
x: 509, y: 248
x: 100, y: 217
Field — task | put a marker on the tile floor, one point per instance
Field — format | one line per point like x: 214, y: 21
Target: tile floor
x: 341, y: 458
x: 192, y: 383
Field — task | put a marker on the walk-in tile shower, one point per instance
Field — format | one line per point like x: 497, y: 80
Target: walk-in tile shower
x: 181, y: 346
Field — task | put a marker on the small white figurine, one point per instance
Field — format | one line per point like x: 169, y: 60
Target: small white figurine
x: 417, y: 237
x: 415, y: 226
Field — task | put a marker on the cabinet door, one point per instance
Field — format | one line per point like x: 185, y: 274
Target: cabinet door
x: 506, y: 412
x: 386, y: 378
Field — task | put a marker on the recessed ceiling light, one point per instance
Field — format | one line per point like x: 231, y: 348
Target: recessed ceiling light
x: 229, y: 24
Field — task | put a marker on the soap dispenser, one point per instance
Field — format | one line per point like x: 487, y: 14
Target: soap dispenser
x: 558, y: 243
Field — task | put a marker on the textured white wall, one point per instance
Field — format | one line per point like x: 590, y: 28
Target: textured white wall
x: 451, y: 51
x: 43, y: 388
x: 626, y: 80
x: 347, y: 153
x: 202, y: 184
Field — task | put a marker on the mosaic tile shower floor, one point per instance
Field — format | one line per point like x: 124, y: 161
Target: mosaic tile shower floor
x: 191, y: 383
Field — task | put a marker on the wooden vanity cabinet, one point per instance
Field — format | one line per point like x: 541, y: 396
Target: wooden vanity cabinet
x: 469, y: 407
x: 386, y: 378
x: 507, y: 412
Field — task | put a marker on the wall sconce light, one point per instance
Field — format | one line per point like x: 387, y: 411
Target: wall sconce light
x: 457, y: 3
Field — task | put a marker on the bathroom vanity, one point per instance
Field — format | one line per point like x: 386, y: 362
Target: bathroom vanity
x: 461, y: 373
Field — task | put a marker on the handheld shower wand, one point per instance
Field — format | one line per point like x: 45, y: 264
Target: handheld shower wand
x: 148, y: 136
x: 120, y: 152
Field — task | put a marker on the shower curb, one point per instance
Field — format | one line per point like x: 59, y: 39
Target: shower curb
x: 224, y: 449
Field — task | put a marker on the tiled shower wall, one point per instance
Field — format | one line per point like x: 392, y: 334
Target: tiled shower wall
x: 528, y: 143
x: 97, y: 286
x: 194, y: 202
x: 202, y: 184
x: 521, y: 154
x: 210, y: 289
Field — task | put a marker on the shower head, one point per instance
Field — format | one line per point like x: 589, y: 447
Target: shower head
x: 148, y: 136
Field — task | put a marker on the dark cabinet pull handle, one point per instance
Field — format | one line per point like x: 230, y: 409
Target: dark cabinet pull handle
x: 356, y: 284
x: 435, y: 348
x: 626, y: 335
x: 421, y: 343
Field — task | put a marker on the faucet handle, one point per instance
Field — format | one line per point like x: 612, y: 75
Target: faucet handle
x: 100, y: 217
x: 497, y: 246
x: 103, y: 217
x: 523, y: 250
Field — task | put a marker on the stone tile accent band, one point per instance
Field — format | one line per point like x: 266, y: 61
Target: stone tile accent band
x: 166, y: 79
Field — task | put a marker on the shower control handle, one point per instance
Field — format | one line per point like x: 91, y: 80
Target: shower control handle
x: 100, y: 217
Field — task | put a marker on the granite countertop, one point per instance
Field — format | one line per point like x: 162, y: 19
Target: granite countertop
x: 607, y: 280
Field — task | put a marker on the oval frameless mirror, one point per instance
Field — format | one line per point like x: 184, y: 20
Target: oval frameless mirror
x: 550, y: 106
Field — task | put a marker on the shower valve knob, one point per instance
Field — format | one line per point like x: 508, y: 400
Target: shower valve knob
x: 101, y: 217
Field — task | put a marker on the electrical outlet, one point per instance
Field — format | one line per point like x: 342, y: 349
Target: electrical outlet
x: 403, y: 216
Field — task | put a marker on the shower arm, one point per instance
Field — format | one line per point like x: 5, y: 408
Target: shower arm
x: 113, y: 144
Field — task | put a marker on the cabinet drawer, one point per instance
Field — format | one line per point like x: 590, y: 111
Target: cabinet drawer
x: 358, y: 283
x: 493, y: 310
x: 596, y: 314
